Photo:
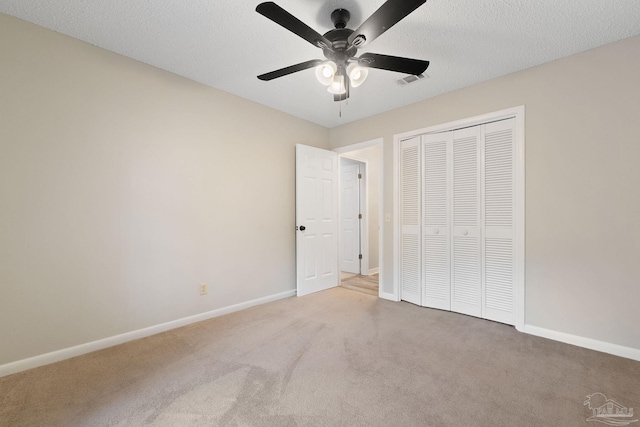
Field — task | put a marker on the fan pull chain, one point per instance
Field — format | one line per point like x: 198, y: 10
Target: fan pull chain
x: 347, y: 102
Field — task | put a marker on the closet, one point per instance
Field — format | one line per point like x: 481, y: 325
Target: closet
x: 457, y: 222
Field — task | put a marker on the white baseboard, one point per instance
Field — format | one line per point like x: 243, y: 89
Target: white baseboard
x: 373, y: 271
x: 390, y: 297
x: 605, y: 347
x: 78, y: 350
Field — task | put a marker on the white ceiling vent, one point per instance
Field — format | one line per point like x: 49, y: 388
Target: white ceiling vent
x: 411, y: 79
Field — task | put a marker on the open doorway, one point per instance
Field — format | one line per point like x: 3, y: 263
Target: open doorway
x: 360, y: 216
x: 353, y: 222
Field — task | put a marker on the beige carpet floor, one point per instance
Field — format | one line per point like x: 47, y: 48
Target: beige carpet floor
x: 335, y: 358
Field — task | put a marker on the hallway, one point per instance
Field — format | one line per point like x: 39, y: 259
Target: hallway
x: 358, y: 283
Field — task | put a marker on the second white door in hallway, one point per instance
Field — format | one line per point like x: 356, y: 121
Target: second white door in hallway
x: 352, y: 175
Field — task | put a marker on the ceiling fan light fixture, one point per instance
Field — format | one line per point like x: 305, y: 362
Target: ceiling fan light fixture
x: 357, y: 75
x: 337, y: 87
x: 342, y: 69
x: 325, y: 72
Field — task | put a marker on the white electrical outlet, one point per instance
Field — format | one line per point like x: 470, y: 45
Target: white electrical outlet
x: 387, y: 217
x: 203, y: 288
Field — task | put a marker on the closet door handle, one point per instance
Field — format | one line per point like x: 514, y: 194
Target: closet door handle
x: 465, y: 232
x: 302, y: 228
x: 436, y: 231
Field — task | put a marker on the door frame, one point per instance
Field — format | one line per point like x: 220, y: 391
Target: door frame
x: 363, y: 200
x: 518, y: 113
x: 343, y: 152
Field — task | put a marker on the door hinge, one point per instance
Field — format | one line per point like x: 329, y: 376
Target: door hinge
x: 360, y: 256
x: 359, y: 216
x: 359, y: 176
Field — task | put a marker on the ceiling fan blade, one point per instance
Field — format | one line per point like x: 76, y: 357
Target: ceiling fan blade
x: 389, y: 14
x: 291, y: 23
x: 393, y: 63
x: 291, y: 69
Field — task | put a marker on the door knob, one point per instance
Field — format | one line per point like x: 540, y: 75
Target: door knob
x: 302, y: 228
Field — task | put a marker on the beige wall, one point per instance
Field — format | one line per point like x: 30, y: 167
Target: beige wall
x: 582, y: 177
x: 123, y: 187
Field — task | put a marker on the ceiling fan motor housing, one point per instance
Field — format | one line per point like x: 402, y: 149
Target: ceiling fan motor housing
x: 340, y: 17
x: 339, y: 51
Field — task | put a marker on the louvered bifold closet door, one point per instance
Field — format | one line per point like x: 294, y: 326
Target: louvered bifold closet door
x: 436, y: 266
x: 466, y: 247
x: 499, y: 230
x: 410, y: 268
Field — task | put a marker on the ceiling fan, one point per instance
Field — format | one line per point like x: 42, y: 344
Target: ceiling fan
x: 342, y: 69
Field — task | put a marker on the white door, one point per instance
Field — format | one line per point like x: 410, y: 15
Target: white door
x: 410, y: 265
x: 316, y: 219
x: 461, y: 220
x: 436, y: 153
x: 466, y: 278
x: 350, y: 216
x: 499, y: 202
x: 457, y: 220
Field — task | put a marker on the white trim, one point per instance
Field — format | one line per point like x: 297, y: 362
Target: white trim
x: 605, y: 347
x: 373, y: 271
x: 78, y: 350
x: 390, y: 297
x: 363, y: 188
x: 395, y: 295
x: 518, y: 113
x: 381, y: 197
x: 359, y: 146
x: 466, y: 122
x: 352, y: 157
x: 520, y: 215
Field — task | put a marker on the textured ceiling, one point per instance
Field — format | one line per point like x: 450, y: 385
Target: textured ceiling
x: 226, y: 44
